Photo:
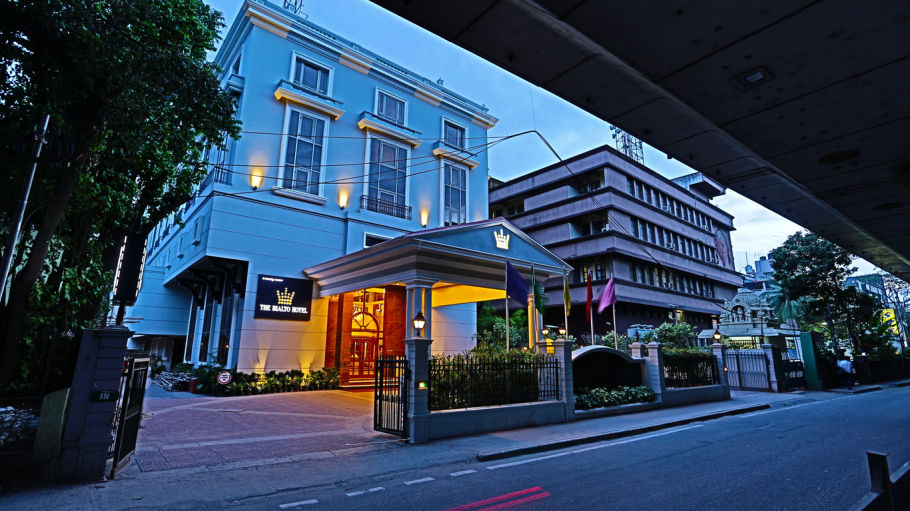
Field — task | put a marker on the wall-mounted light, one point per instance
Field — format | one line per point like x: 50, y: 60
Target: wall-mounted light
x: 422, y: 385
x: 255, y: 179
x: 419, y: 323
x: 717, y: 336
x: 545, y: 332
x: 562, y: 330
x: 424, y: 217
x: 343, y: 197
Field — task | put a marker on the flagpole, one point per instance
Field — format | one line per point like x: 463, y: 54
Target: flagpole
x: 591, y: 311
x: 615, y: 301
x: 507, y: 304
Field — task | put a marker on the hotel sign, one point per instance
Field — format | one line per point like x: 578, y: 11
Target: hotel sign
x: 283, y: 298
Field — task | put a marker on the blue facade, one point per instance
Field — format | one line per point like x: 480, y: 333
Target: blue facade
x: 340, y: 149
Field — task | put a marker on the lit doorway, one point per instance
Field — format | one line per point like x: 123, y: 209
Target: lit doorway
x: 366, y: 332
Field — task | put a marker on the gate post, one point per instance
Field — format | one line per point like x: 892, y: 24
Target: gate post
x: 720, y: 353
x: 656, y: 377
x: 772, y: 366
x: 418, y: 352
x: 87, y: 432
x: 563, y: 349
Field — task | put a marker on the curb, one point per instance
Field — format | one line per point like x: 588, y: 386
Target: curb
x: 509, y: 453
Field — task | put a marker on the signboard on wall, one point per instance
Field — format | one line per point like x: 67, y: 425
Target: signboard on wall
x: 283, y: 298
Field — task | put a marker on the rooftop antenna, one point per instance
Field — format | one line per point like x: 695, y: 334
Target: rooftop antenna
x: 628, y: 145
x: 294, y: 6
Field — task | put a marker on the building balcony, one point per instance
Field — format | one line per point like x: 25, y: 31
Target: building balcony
x: 385, y: 207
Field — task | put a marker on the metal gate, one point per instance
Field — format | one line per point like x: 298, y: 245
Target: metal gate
x: 794, y: 373
x: 390, y: 405
x: 129, y: 412
x: 748, y: 370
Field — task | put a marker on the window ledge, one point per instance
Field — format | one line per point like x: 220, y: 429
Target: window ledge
x: 298, y: 195
x: 286, y: 91
x: 443, y: 150
x: 370, y: 122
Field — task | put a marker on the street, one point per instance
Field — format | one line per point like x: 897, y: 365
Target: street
x: 809, y: 455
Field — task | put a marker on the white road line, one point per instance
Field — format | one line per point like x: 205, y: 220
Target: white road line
x: 598, y: 446
x: 418, y: 481
x: 463, y: 473
x: 297, y: 504
x: 354, y: 493
x: 378, y: 488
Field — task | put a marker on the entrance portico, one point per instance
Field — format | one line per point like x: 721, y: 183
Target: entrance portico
x: 440, y: 273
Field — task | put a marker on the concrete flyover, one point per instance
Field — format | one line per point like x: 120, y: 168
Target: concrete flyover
x: 800, y: 105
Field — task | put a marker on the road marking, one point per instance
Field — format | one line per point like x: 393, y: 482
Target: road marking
x: 378, y: 488
x: 355, y: 493
x: 595, y: 447
x: 481, y: 503
x: 418, y: 481
x: 463, y: 473
x: 297, y: 504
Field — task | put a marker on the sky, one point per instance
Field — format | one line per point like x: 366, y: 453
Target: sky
x: 520, y: 106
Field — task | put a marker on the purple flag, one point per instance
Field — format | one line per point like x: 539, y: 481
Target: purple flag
x: 607, y: 296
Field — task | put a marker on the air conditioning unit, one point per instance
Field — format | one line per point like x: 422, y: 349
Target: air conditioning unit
x: 668, y: 209
x: 706, y: 227
x: 671, y: 246
x: 605, y: 228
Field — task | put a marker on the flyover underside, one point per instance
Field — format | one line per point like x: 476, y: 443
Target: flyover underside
x: 800, y: 106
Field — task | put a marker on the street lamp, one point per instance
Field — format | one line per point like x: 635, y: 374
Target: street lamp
x: 419, y: 323
x: 562, y: 331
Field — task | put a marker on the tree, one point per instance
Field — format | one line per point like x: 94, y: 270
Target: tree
x: 672, y: 335
x: 128, y: 88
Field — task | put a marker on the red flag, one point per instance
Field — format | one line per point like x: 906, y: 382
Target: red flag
x: 590, y: 295
x: 607, y: 296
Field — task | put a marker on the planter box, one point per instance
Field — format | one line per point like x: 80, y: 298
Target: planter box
x: 610, y: 411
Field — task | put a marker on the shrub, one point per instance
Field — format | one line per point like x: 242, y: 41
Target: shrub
x: 603, y: 397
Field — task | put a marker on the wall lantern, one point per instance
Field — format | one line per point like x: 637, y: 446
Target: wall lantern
x: 255, y: 179
x: 562, y: 331
x: 545, y: 332
x: 343, y: 199
x: 424, y: 217
x: 419, y: 323
x: 717, y: 336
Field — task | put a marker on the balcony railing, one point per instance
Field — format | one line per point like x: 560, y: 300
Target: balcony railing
x: 219, y: 174
x: 385, y: 207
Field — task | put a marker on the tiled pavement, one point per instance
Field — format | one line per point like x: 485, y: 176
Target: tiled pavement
x: 205, y: 431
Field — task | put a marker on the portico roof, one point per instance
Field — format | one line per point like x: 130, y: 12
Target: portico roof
x: 472, y: 254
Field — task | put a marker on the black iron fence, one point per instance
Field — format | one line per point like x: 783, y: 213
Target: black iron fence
x: 681, y: 371
x: 385, y: 207
x: 129, y: 409
x: 466, y: 382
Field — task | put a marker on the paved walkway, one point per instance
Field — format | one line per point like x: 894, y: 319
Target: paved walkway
x: 181, y: 430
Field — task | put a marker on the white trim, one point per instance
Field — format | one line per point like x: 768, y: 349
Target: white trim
x: 404, y: 102
x: 330, y: 71
x: 442, y: 132
x: 442, y: 195
x: 279, y: 180
x: 298, y: 195
x: 389, y: 132
x: 407, y: 170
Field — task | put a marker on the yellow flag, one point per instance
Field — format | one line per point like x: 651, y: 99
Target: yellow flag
x: 566, y: 297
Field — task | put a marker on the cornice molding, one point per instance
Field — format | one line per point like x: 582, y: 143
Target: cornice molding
x: 283, y: 93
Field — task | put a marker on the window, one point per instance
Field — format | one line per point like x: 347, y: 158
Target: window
x: 390, y: 108
x: 631, y: 185
x: 388, y: 168
x: 455, y: 194
x: 303, y: 157
x: 236, y: 67
x: 372, y: 239
x: 453, y: 135
x: 311, y: 76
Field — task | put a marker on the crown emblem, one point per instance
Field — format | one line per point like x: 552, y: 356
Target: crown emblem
x: 285, y: 298
x: 502, y: 239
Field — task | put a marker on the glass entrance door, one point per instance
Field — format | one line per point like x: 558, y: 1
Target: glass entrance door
x: 366, y: 332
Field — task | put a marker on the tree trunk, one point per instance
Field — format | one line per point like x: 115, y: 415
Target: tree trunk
x: 14, y: 316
